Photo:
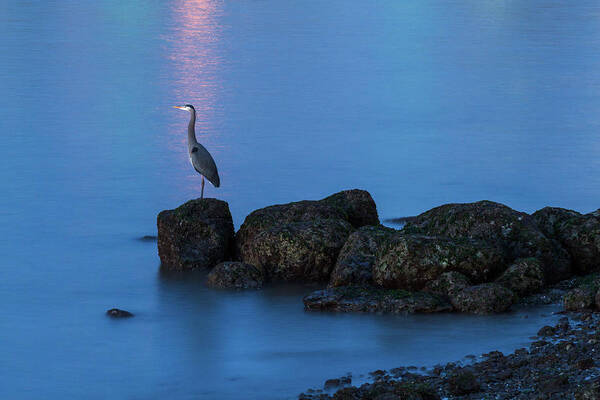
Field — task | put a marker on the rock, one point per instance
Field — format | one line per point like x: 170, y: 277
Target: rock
x: 524, y: 277
x: 237, y: 275
x: 197, y: 234
x: 116, y: 313
x: 553, y: 384
x: 578, y: 299
x: 301, y: 241
x: 358, y: 206
x: 355, y: 262
x: 546, y: 331
x: 410, y: 261
x: 463, y: 382
x: 448, y: 284
x: 337, y: 382
x: 579, y: 234
x: 550, y: 219
x: 486, y: 298
x: 371, y: 299
x: 516, y: 233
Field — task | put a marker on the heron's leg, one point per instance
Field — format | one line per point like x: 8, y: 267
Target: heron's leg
x: 202, y: 192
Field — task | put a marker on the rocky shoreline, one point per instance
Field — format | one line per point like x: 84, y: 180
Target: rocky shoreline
x: 478, y: 258
x: 562, y: 362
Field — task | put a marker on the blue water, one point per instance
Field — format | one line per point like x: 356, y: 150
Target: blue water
x: 419, y: 102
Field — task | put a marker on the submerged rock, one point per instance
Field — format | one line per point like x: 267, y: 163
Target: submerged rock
x: 354, y: 265
x: 515, y: 233
x: 524, y: 277
x: 579, y: 234
x: 116, y: 313
x: 487, y: 298
x: 236, y: 275
x: 410, y: 261
x: 198, y: 234
x: 371, y: 299
x: 300, y: 241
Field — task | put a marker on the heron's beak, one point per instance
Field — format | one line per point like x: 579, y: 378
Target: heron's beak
x: 181, y: 108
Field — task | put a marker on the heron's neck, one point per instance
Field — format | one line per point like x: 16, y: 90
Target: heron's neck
x: 191, y: 128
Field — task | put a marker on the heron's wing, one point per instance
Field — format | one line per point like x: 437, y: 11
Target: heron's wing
x: 204, y: 164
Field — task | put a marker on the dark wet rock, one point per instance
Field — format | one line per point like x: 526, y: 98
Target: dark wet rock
x: 198, y: 234
x: 524, y: 277
x: 409, y: 261
x: 237, y: 275
x: 579, y: 234
x: 116, y: 313
x: 546, y: 331
x: 553, y: 384
x: 337, y: 382
x: 550, y: 219
x: 355, y: 262
x: 357, y: 205
x: 579, y: 298
x: 516, y: 233
x: 487, y: 298
x: 301, y: 241
x: 463, y: 382
x: 585, y: 363
x: 448, y: 284
x: 371, y: 299
x: 148, y: 238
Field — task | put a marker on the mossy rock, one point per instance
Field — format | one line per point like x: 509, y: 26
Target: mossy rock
x: 524, y: 277
x: 198, y: 234
x: 300, y: 241
x: 517, y: 234
x: 487, y: 298
x: 411, y: 261
x: 580, y: 298
x: 236, y: 275
x: 579, y: 234
x: 448, y: 284
x: 354, y: 265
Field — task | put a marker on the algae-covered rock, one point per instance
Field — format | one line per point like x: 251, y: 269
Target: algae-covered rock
x: 579, y: 298
x: 371, y: 299
x: 549, y: 219
x: 448, y: 284
x: 579, y: 234
x: 487, y: 298
x: 236, y: 275
x: 354, y: 265
x: 198, y: 234
x: 411, y: 261
x: 300, y: 241
x: 523, y: 277
x: 516, y: 233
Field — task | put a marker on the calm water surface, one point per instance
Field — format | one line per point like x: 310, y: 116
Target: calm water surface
x: 419, y: 102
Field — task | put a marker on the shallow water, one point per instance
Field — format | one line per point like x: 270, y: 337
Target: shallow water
x: 420, y: 103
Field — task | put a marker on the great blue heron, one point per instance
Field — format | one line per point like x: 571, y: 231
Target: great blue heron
x: 200, y: 158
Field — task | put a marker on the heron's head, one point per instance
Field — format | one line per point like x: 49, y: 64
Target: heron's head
x: 187, y: 107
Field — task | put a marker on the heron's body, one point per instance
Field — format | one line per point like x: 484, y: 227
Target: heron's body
x: 200, y: 158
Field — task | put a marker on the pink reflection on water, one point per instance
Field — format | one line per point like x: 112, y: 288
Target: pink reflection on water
x: 196, y: 61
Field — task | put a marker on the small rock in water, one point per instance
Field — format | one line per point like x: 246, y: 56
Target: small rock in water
x: 116, y: 313
x: 148, y: 238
